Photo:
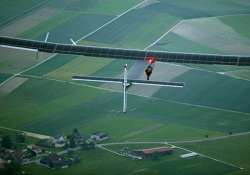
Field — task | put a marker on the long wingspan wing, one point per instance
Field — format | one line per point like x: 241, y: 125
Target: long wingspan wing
x: 130, y: 81
x: 119, y: 53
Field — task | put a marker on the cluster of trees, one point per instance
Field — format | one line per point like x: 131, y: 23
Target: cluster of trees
x: 13, y: 167
x: 7, y: 141
x: 73, y: 141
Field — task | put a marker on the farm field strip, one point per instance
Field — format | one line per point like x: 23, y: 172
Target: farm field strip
x: 38, y: 4
x: 65, y: 81
x: 11, y: 85
x: 109, y: 150
x: 203, y: 106
x: 18, y: 27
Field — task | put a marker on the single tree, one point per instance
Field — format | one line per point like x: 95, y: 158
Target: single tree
x: 20, y: 138
x: 6, y: 142
x: 72, y: 143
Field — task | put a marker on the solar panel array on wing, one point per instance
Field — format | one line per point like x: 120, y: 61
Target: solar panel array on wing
x: 127, y: 53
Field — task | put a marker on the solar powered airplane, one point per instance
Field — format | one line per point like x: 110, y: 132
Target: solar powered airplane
x: 117, y: 53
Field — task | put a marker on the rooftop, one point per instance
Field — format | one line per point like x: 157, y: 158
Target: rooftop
x: 155, y: 150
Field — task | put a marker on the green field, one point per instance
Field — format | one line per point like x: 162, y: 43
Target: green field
x: 14, y: 9
x: 227, y: 149
x: 210, y: 106
x: 200, y: 82
x: 14, y: 61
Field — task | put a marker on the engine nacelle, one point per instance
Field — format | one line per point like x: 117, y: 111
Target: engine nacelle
x: 149, y: 68
x: 148, y: 71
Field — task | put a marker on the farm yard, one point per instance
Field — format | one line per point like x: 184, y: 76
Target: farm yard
x: 209, y: 116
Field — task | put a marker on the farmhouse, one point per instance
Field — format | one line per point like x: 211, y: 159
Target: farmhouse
x: 78, y: 138
x: 59, y: 141
x: 55, y: 161
x: 152, y: 152
x: 2, y: 163
x: 188, y: 155
x: 49, y: 143
x: 35, y: 149
x: 11, y: 155
x: 99, y: 136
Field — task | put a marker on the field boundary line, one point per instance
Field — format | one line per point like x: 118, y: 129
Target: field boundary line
x: 178, y: 142
x: 163, y: 35
x: 212, y: 138
x: 27, y: 69
x: 204, y: 106
x: 38, y: 64
x: 232, y: 75
x: 232, y: 71
x: 109, y: 150
x: 219, y: 16
x: 8, y: 79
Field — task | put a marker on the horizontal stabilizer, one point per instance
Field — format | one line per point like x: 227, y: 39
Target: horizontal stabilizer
x: 157, y: 83
x: 97, y: 79
x: 130, y: 81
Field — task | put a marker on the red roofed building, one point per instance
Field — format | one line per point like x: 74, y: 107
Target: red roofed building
x: 152, y: 152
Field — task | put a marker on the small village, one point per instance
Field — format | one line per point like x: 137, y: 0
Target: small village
x: 54, y: 152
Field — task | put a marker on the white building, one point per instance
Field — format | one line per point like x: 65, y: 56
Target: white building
x: 99, y: 136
